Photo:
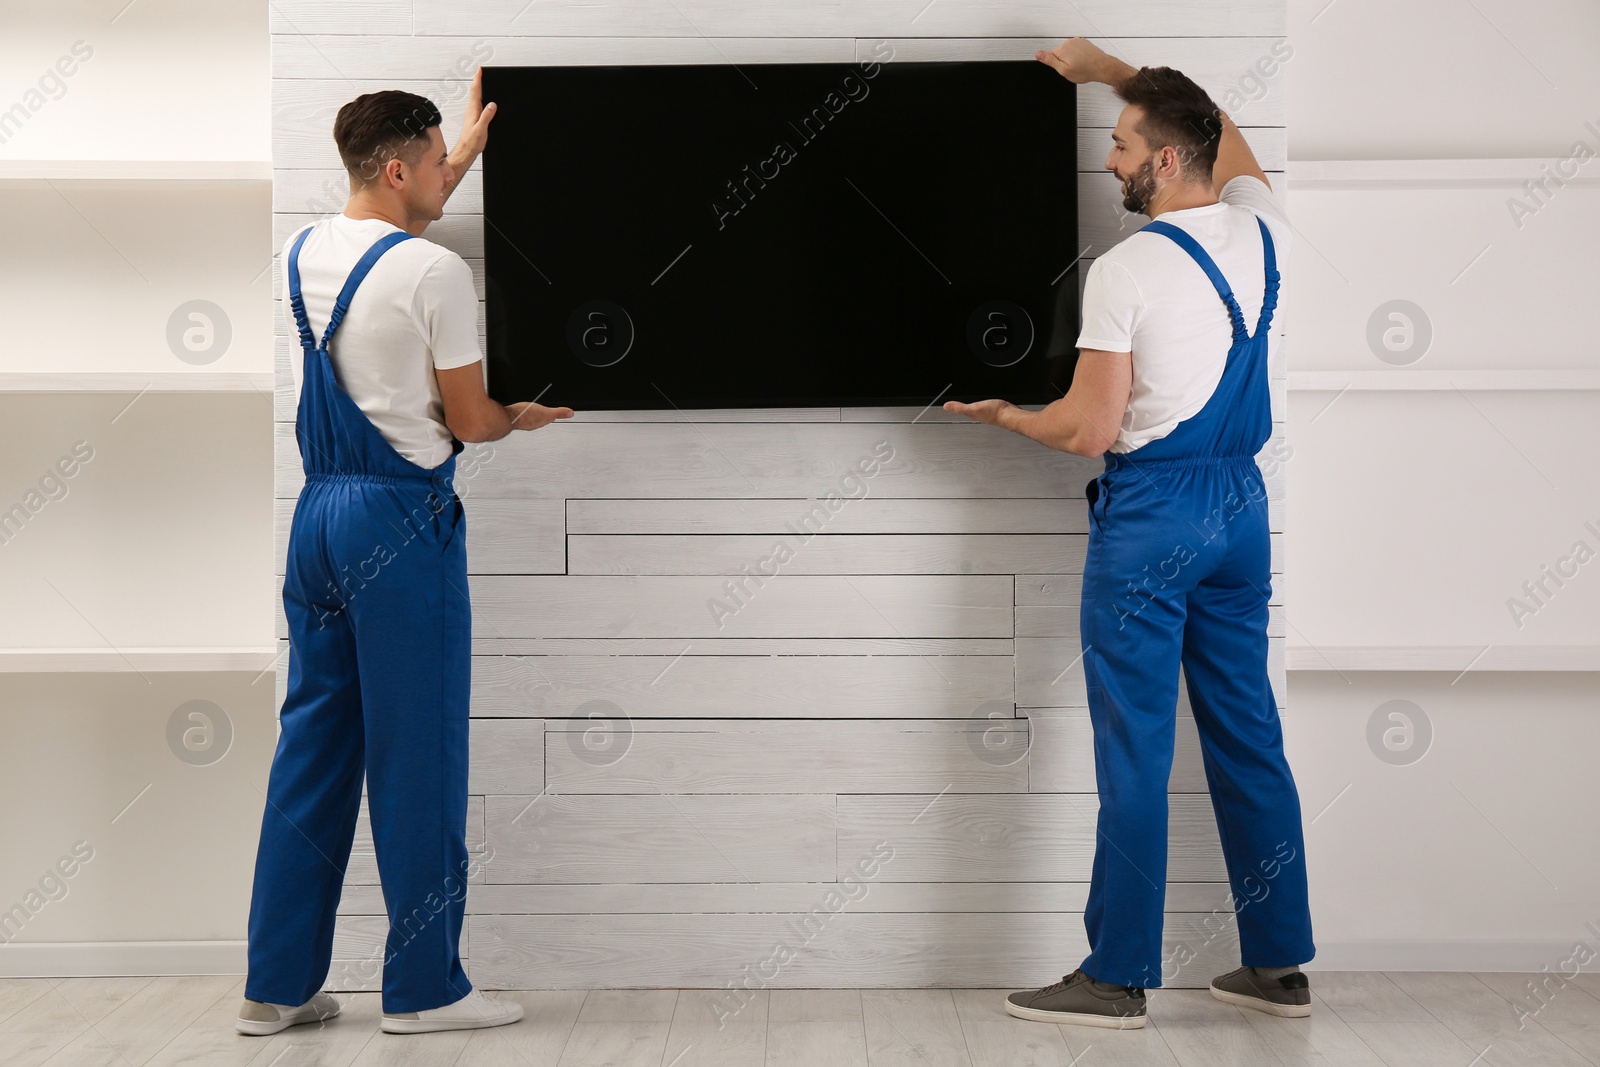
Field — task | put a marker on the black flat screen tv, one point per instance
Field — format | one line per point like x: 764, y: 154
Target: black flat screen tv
x: 781, y: 235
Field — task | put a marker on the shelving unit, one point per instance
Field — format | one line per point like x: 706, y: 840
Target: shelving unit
x: 47, y: 660
x: 130, y: 185
x: 207, y: 171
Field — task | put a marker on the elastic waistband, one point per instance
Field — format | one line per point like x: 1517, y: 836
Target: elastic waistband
x: 380, y: 479
x: 1119, y: 460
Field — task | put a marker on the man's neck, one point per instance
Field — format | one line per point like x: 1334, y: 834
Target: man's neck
x: 359, y: 208
x: 1183, y: 197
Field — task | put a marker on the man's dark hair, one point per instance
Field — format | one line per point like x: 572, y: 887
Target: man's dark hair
x: 1177, y: 114
x: 377, y: 127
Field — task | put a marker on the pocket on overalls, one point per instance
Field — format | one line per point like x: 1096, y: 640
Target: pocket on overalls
x: 1098, y: 495
x: 452, y: 519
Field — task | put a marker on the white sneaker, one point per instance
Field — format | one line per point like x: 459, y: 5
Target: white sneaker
x: 471, y: 1012
x: 261, y: 1018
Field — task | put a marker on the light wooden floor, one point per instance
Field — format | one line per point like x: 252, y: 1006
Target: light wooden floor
x: 1398, y: 1019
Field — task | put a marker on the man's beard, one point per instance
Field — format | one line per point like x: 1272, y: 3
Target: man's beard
x: 1139, y: 190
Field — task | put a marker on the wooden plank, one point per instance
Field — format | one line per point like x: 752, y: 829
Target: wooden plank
x: 133, y: 1031
x: 560, y: 839
x: 503, y: 536
x: 805, y: 1026
x: 359, y: 17
x: 624, y: 1030
x: 901, y: 606
x: 506, y: 756
x: 573, y: 459
x: 994, y: 1042
x: 1014, y: 950
x: 701, y: 1038
x: 625, y: 688
x: 539, y: 1039
x: 867, y: 515
x: 871, y: 756
x: 827, y: 553
x: 1031, y: 19
x: 1046, y: 837
x: 892, y: 1016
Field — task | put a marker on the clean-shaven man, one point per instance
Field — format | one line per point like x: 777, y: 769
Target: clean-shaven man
x: 375, y: 591
x: 1171, y: 388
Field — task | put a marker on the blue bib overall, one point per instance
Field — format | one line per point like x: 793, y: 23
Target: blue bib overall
x: 375, y: 594
x: 1179, y: 571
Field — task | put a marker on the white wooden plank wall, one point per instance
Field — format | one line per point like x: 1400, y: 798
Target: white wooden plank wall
x: 910, y: 677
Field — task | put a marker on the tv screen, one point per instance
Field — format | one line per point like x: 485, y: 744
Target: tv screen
x: 793, y: 234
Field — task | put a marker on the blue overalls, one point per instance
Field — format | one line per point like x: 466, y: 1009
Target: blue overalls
x: 1178, y: 571
x: 375, y: 593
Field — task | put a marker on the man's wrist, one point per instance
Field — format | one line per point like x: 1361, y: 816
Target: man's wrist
x: 1014, y: 419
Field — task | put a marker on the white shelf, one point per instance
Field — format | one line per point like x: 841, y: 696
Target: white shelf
x: 211, y: 172
x: 1415, y: 173
x: 1400, y: 379
x: 1455, y: 658
x: 49, y: 660
x: 133, y: 382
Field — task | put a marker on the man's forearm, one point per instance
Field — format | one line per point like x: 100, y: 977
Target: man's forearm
x: 1234, y: 156
x: 1035, y: 426
x: 1114, y: 71
x: 491, y: 420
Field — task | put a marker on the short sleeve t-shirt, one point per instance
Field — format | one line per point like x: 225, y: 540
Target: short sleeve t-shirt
x: 1149, y: 297
x: 416, y: 312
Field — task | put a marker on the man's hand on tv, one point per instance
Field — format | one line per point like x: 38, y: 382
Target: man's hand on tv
x: 474, y: 128
x: 526, y: 415
x: 989, y: 411
x: 1079, y: 60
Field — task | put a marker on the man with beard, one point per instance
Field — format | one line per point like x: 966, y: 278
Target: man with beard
x: 1171, y: 388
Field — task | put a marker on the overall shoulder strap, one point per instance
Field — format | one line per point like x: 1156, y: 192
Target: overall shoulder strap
x: 357, y: 275
x: 1202, y: 257
x: 1269, y: 295
x: 295, y: 300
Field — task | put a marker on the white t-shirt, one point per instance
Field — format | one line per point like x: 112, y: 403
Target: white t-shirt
x: 415, y: 311
x: 1148, y: 296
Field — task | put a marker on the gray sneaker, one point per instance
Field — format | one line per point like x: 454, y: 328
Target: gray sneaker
x: 1289, y: 996
x: 259, y: 1018
x: 1077, y: 998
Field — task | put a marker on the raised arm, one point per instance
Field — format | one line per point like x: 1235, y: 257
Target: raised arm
x: 1233, y: 157
x: 474, y: 133
x: 1079, y: 60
